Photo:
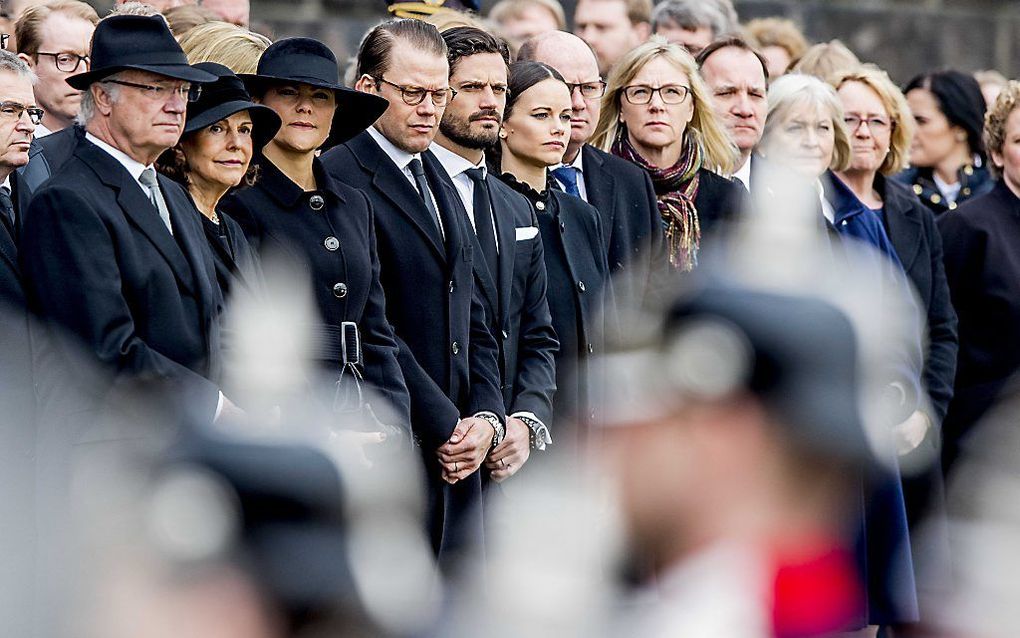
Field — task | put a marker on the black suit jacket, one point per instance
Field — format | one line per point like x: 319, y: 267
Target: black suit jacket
x: 983, y: 270
x: 447, y: 353
x: 912, y: 230
x: 59, y: 147
x: 99, y: 263
x: 276, y: 214
x: 623, y: 195
x: 516, y: 304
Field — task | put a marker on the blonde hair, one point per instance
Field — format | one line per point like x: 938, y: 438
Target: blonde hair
x: 186, y: 17
x: 826, y: 59
x: 720, y: 153
x: 514, y: 9
x: 232, y: 46
x: 996, y: 117
x: 26, y: 30
x: 778, y: 32
x: 797, y: 89
x: 895, y: 104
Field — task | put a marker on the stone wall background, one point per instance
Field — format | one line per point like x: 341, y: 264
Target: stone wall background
x: 903, y: 36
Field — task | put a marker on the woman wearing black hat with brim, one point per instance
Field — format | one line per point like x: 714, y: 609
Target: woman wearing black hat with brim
x: 296, y: 208
x: 224, y: 130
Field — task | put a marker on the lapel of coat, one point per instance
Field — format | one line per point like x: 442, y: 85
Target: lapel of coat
x: 506, y: 235
x: 601, y: 185
x: 191, y: 237
x: 137, y: 208
x: 8, y: 248
x: 391, y: 184
x: 902, y: 221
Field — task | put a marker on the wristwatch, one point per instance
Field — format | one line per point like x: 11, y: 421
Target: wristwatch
x: 497, y: 425
x: 538, y: 432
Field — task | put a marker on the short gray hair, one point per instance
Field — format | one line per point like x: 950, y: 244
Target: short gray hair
x: 11, y: 63
x: 795, y: 90
x: 717, y: 15
x: 87, y: 108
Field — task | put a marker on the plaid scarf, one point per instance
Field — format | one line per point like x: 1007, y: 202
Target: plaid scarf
x: 675, y: 188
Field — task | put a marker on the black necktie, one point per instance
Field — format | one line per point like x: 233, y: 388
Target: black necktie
x: 418, y: 172
x: 482, y: 209
x: 7, y: 206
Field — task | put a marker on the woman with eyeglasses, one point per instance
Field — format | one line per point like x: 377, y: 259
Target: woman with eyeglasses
x: 534, y: 135
x: 657, y: 114
x: 296, y: 210
x: 805, y: 132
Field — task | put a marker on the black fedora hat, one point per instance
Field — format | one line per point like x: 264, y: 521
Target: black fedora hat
x: 308, y: 61
x: 224, y: 97
x: 136, y: 42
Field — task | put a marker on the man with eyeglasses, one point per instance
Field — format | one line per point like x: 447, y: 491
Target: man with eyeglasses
x: 18, y: 119
x: 509, y: 258
x: 621, y: 191
x: 116, y: 257
x: 447, y: 352
x: 53, y: 39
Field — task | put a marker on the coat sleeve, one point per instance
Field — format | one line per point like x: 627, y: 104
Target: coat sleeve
x: 382, y: 369
x: 943, y: 343
x: 535, y: 383
x: 81, y: 291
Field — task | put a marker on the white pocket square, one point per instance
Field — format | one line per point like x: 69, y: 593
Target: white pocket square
x: 527, y: 232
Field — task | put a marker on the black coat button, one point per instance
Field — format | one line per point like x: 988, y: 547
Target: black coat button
x: 316, y: 202
x: 331, y: 243
x: 455, y: 348
x: 591, y: 348
x: 506, y: 335
x: 340, y: 290
x: 563, y: 227
x: 451, y: 286
x: 581, y: 286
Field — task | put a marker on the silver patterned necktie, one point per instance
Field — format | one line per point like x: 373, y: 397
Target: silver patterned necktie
x: 148, y: 179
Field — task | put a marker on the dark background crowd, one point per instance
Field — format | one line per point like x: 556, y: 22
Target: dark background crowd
x: 600, y: 318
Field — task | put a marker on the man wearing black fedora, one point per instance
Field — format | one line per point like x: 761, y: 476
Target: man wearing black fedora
x: 448, y: 354
x: 114, y: 254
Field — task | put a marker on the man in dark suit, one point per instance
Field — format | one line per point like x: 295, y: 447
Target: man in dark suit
x: 114, y: 256
x: 621, y: 192
x: 18, y: 118
x: 509, y: 269
x: 448, y: 355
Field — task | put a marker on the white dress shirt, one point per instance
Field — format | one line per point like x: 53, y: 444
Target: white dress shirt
x: 578, y: 163
x: 403, y: 159
x: 132, y: 166
x: 743, y: 174
x: 41, y: 131
x: 457, y: 167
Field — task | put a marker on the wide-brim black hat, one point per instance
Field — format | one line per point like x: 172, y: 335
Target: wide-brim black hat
x: 224, y: 97
x: 308, y: 61
x: 143, y: 43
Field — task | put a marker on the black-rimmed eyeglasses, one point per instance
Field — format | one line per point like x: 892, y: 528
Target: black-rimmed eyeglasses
x: 415, y: 95
x: 189, y: 92
x: 14, y: 111
x: 589, y: 90
x: 669, y: 94
x: 67, y: 62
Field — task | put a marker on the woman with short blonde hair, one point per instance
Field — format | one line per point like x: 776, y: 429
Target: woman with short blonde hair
x: 895, y: 104
x: 794, y: 98
x: 657, y: 113
x: 234, y: 47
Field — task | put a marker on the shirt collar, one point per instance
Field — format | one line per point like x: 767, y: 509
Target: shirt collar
x: 133, y: 167
x: 399, y: 157
x: 454, y: 164
x: 744, y: 174
x: 578, y: 162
